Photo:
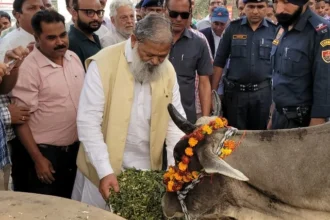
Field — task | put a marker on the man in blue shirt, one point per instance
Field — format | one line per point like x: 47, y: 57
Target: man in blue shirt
x: 301, y: 66
x: 247, y: 42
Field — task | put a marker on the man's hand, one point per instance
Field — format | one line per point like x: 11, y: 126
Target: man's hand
x: 316, y: 121
x: 269, y: 125
x: 19, y: 115
x: 18, y: 54
x: 3, y: 70
x: 106, y: 183
x: 45, y: 170
x: 30, y: 46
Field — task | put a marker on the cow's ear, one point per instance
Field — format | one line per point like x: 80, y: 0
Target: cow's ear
x: 171, y: 206
x: 213, y: 164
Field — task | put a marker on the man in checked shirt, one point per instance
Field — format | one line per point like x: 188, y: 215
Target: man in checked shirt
x: 8, y: 77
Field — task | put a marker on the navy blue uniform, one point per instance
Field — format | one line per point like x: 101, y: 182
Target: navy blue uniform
x: 301, y: 78
x: 247, y: 96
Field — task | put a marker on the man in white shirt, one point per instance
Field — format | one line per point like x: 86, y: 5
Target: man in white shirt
x: 206, y: 22
x: 22, y: 36
x: 122, y: 18
x: 123, y: 123
x: 219, y: 20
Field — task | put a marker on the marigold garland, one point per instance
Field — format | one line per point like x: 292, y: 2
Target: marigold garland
x: 176, y: 176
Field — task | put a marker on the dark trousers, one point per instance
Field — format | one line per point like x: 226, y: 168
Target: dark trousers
x: 64, y: 163
x: 281, y: 121
x: 20, y: 162
x: 248, y: 110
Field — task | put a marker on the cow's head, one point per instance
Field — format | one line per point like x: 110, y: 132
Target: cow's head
x: 204, y: 158
x: 204, y: 152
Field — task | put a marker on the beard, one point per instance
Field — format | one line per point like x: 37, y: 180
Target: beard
x: 144, y: 71
x: 125, y: 33
x: 286, y: 20
x: 87, y: 28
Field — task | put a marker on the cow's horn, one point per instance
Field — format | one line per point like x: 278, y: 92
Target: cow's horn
x: 213, y: 164
x: 186, y: 126
x: 216, y: 103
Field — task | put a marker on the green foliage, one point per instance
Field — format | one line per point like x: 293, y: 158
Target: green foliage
x: 201, y: 9
x: 140, y: 195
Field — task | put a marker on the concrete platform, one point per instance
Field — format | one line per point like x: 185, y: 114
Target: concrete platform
x: 26, y: 206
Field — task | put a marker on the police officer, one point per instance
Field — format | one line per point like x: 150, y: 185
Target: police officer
x: 301, y: 63
x: 155, y: 6
x: 247, y: 41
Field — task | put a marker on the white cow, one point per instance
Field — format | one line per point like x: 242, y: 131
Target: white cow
x: 287, y: 173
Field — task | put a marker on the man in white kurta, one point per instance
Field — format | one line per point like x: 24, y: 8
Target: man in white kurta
x: 123, y: 21
x: 137, y: 146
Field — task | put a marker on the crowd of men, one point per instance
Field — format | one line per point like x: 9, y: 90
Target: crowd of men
x: 83, y: 99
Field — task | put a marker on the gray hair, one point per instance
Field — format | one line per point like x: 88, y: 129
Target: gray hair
x: 154, y: 27
x: 115, y: 4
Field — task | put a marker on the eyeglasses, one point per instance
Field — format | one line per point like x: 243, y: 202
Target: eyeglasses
x: 175, y: 14
x: 90, y: 12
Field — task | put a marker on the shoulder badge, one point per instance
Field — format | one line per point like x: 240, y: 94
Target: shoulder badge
x: 326, y: 56
x: 325, y: 42
x: 319, y: 24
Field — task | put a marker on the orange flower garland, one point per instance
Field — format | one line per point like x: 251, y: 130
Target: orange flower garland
x: 176, y: 176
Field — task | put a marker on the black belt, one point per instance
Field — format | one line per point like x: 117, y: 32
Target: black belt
x: 75, y: 144
x: 294, y: 111
x: 230, y: 85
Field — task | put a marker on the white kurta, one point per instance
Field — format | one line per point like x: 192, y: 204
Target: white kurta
x: 16, y: 38
x: 204, y: 23
x: 137, y: 147
x: 216, y: 43
x: 112, y: 38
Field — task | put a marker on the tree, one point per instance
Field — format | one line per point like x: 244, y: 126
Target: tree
x: 201, y: 9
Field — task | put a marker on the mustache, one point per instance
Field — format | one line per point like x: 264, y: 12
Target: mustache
x: 60, y: 47
x: 283, y: 16
x: 95, y: 22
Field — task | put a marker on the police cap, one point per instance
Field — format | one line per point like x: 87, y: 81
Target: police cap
x: 152, y: 3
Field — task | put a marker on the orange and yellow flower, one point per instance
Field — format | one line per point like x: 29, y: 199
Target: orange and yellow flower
x: 171, y: 170
x: 192, y: 142
x: 207, y: 129
x: 195, y: 174
x: 182, y: 166
x: 170, y: 185
x: 176, y: 176
x: 218, y: 123
x: 226, y: 152
x: 189, y: 151
x: 230, y: 144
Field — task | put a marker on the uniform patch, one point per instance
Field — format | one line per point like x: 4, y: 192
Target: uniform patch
x: 278, y: 37
x: 325, y: 42
x: 324, y: 31
x: 240, y: 36
x: 326, y: 56
x: 320, y: 27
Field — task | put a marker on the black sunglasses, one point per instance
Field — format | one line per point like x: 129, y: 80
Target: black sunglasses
x: 90, y: 12
x: 175, y: 14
